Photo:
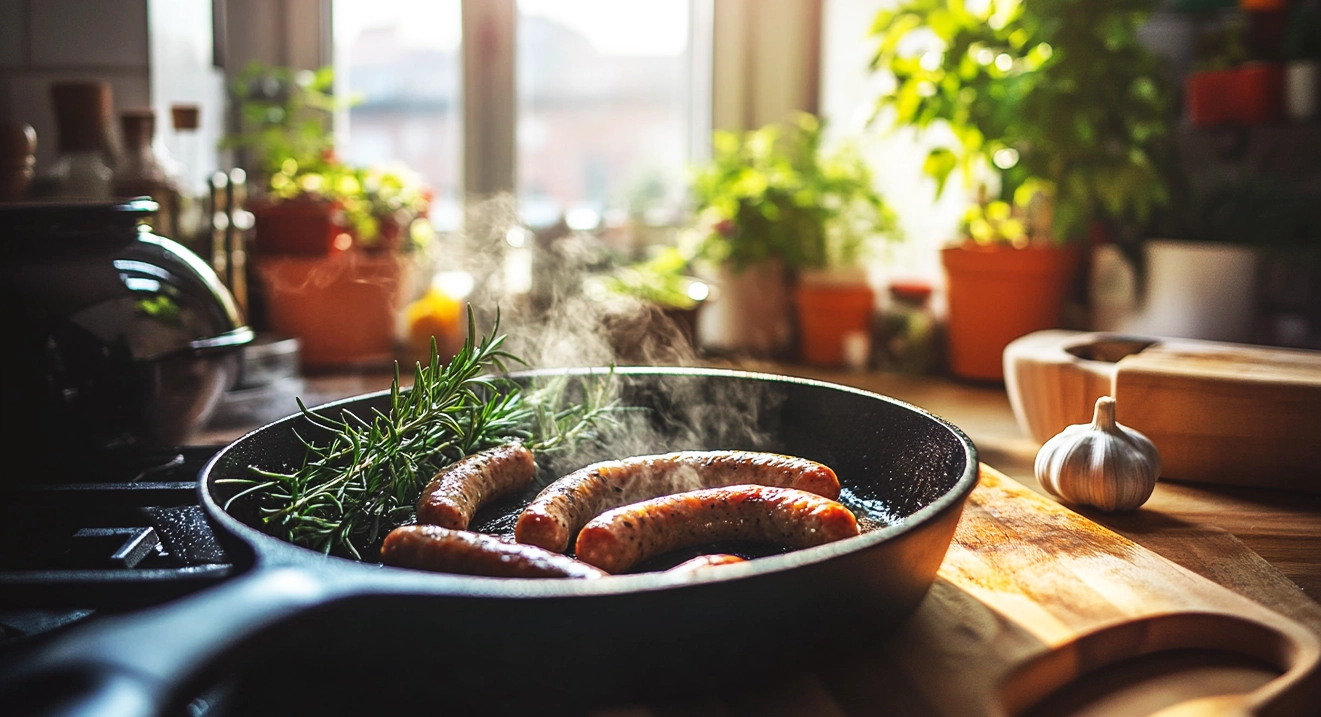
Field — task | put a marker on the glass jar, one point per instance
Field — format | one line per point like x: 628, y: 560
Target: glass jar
x: 909, y: 338
x: 82, y: 116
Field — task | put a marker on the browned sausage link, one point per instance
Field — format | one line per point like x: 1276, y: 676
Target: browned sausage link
x: 456, y: 492
x: 565, y: 506
x: 702, y: 563
x: 626, y: 536
x: 431, y: 547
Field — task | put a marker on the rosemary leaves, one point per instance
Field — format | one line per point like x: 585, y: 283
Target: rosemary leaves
x: 365, y: 480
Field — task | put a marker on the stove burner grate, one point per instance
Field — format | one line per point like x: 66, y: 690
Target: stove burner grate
x: 137, y: 539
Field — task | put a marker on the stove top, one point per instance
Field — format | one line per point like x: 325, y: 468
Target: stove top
x: 130, y: 536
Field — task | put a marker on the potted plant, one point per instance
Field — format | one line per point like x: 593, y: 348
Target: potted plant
x: 1006, y: 278
x: 650, y: 308
x: 771, y: 202
x: 1212, y: 88
x: 312, y: 202
x: 1203, y: 284
x: 332, y: 240
x: 1059, y: 97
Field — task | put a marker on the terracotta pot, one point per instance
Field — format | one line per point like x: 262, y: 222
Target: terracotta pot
x: 830, y: 316
x: 301, y: 227
x: 343, y: 307
x: 997, y: 294
x: 1257, y: 93
x: 1208, y: 98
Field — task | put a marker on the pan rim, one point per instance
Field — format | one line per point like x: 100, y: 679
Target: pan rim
x: 467, y: 586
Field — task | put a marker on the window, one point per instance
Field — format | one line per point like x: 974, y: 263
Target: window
x: 399, y: 62
x: 603, y: 101
x: 604, y: 91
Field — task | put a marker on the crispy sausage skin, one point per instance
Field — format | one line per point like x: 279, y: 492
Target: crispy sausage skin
x: 623, y: 537
x: 565, y: 506
x: 703, y: 563
x: 456, y: 492
x: 431, y: 547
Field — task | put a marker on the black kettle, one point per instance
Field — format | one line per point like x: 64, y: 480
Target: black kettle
x: 120, y: 341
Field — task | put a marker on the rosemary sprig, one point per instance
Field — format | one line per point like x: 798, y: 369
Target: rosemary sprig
x: 362, y: 483
x: 558, y: 424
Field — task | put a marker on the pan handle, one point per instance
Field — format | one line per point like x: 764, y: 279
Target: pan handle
x: 137, y: 664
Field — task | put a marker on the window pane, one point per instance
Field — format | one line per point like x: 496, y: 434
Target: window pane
x: 604, y: 103
x: 401, y: 60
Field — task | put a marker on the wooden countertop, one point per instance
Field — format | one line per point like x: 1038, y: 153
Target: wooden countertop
x: 1263, y: 544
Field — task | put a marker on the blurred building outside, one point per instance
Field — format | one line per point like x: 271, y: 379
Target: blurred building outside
x: 603, y: 103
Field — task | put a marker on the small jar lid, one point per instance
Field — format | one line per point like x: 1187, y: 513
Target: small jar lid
x: 912, y: 290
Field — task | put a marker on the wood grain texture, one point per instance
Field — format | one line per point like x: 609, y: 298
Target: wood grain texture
x: 1218, y: 413
x: 1092, y: 598
x: 1050, y: 388
x: 1039, y: 611
x: 1227, y: 414
x: 1283, y: 527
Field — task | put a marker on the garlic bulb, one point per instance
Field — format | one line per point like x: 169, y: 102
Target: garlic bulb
x: 1101, y: 463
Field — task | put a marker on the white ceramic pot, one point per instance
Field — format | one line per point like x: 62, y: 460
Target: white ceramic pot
x: 1112, y: 288
x: 751, y: 313
x: 1300, y: 89
x: 1199, y: 290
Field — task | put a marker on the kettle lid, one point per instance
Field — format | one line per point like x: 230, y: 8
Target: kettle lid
x: 65, y: 217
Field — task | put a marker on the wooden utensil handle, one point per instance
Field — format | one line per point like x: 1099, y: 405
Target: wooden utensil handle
x: 1295, y: 655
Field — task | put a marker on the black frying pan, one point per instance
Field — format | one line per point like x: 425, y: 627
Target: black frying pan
x: 308, y: 633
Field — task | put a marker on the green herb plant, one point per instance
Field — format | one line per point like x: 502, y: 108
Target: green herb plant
x: 773, y: 193
x: 365, y: 480
x: 1018, y: 223
x: 1059, y: 92
x: 285, y: 128
x: 664, y: 279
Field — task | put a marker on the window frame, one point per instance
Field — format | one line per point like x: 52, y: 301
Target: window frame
x: 753, y: 62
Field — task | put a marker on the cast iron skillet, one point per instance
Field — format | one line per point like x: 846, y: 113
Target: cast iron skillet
x: 305, y: 632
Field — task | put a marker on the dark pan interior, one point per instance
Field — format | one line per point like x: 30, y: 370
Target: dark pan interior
x: 892, y: 459
x: 505, y: 645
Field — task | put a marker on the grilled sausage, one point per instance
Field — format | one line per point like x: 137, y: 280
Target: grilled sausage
x: 565, y: 506
x: 457, y: 491
x: 623, y: 537
x: 431, y: 547
x: 703, y: 563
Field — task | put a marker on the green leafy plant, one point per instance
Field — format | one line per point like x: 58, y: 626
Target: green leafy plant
x: 1017, y: 223
x: 663, y: 280
x: 1058, y: 92
x: 284, y: 127
x: 284, y: 115
x: 773, y: 193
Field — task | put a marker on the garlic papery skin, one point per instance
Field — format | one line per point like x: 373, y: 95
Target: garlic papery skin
x: 1102, y: 463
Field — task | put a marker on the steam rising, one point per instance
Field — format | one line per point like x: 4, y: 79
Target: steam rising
x: 556, y: 324
x: 550, y: 321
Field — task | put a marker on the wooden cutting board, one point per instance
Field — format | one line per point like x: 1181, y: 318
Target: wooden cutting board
x: 1218, y: 413
x: 1040, y: 611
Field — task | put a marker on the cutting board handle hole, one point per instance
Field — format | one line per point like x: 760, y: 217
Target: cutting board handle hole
x: 1108, y: 349
x: 1144, y: 666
